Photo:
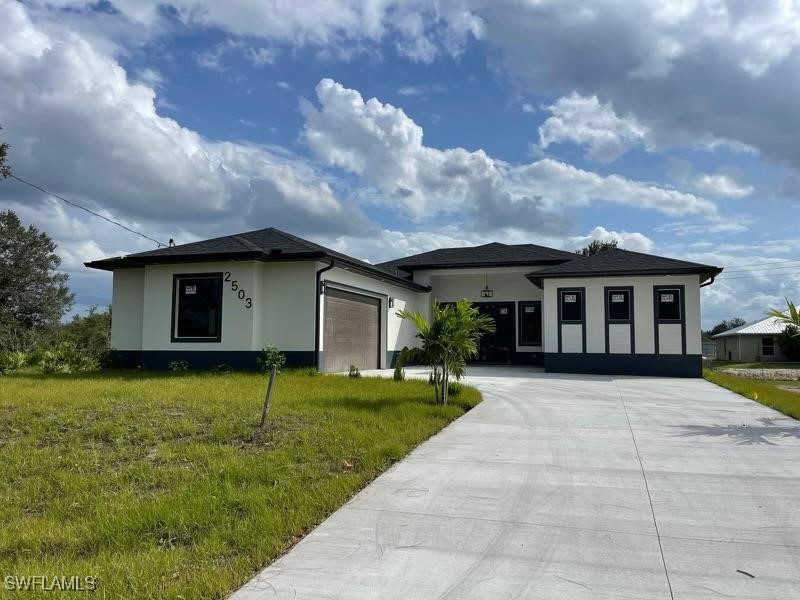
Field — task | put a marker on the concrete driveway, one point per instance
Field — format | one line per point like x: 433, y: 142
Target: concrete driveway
x: 568, y: 486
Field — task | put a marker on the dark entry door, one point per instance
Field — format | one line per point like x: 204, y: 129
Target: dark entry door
x: 497, y: 347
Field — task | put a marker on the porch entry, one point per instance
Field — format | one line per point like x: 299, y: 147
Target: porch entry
x: 497, y: 347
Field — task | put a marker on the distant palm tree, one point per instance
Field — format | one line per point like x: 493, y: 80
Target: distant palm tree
x: 449, y: 340
x: 790, y: 316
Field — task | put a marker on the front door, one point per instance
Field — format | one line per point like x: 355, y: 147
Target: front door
x: 497, y: 347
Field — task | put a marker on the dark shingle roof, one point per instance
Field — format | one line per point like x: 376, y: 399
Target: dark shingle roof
x: 493, y: 254
x: 622, y: 262
x: 261, y: 244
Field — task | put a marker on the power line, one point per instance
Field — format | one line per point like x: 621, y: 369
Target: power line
x: 767, y: 264
x: 764, y: 268
x: 756, y: 276
x: 91, y: 212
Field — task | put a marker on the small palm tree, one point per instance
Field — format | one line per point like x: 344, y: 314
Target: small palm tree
x: 790, y: 316
x: 449, y: 340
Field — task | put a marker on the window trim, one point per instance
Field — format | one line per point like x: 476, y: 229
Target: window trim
x: 771, y: 345
x: 176, y: 277
x: 607, y: 290
x: 681, y: 288
x: 582, y: 322
x: 521, y: 304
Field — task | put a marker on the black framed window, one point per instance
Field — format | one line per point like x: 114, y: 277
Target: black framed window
x: 571, y: 306
x: 530, y: 323
x: 668, y: 304
x: 768, y: 346
x: 619, y: 305
x: 197, y: 307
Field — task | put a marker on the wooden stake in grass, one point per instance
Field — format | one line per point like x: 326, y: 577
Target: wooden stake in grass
x: 273, y: 374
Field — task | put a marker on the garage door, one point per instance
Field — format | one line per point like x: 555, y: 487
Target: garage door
x: 352, y: 331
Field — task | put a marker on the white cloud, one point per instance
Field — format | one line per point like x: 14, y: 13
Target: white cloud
x: 587, y: 121
x: 638, y: 242
x: 81, y: 128
x: 260, y: 56
x: 382, y: 145
x: 721, y: 185
x: 529, y: 108
x: 696, y: 72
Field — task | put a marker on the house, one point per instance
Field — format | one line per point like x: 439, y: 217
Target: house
x: 708, y: 346
x: 751, y: 342
x: 223, y: 300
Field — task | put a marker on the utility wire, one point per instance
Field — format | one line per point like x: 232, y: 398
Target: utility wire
x: 91, y: 212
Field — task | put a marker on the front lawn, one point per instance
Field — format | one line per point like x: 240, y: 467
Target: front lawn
x: 160, y: 486
x: 783, y: 396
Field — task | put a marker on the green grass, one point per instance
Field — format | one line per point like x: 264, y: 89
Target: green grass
x: 161, y: 486
x: 768, y: 393
x: 755, y: 365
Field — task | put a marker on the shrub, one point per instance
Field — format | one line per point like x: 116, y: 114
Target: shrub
x: 221, y: 369
x: 179, y: 366
x: 354, y: 372
x: 11, y: 362
x: 789, y: 342
x: 65, y: 357
x: 453, y: 388
x: 270, y: 357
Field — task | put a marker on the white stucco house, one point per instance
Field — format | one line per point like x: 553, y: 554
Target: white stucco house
x: 223, y: 300
x: 752, y: 342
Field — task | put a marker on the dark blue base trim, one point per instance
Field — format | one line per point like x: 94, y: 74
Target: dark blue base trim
x: 664, y: 365
x: 527, y: 358
x: 205, y: 359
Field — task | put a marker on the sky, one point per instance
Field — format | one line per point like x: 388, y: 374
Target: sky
x: 384, y: 128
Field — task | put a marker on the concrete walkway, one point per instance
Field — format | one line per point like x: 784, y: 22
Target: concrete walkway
x: 567, y: 486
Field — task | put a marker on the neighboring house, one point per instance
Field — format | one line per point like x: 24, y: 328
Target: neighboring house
x: 751, y: 342
x: 709, y: 346
x: 223, y: 300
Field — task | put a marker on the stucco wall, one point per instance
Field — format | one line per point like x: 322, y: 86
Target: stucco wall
x: 127, y: 302
x: 288, y: 306
x: 644, y: 330
x: 395, y: 332
x: 508, y: 285
x: 237, y: 320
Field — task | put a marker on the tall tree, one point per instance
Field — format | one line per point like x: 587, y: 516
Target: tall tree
x: 33, y: 296
x: 726, y: 325
x: 5, y: 170
x: 596, y: 247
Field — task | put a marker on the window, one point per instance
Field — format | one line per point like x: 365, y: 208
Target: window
x: 619, y: 305
x: 668, y: 304
x: 768, y: 346
x: 197, y: 306
x: 530, y: 323
x: 572, y: 305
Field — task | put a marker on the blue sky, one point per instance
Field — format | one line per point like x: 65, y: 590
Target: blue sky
x: 387, y: 128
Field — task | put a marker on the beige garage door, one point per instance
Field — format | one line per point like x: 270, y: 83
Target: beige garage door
x: 352, y: 331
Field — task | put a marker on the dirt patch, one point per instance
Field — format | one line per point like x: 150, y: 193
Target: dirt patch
x: 774, y: 374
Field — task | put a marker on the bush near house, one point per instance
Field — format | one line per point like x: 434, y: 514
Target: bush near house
x: 162, y: 486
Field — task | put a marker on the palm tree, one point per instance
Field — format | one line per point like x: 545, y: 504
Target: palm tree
x: 790, y: 316
x: 448, y: 340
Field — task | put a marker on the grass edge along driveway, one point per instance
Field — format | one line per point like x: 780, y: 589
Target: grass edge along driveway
x: 769, y: 393
x: 160, y: 485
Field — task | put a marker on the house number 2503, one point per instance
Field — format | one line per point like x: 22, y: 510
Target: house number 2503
x: 240, y: 293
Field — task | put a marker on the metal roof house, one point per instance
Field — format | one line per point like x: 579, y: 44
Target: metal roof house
x: 223, y: 300
x: 751, y: 342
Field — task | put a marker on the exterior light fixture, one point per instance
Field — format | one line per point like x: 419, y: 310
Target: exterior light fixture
x: 391, y: 302
x: 486, y: 292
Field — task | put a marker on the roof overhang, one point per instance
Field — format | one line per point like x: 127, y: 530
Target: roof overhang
x: 537, y: 278
x: 134, y: 261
